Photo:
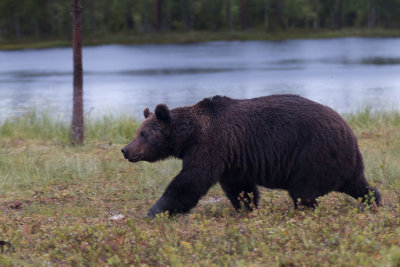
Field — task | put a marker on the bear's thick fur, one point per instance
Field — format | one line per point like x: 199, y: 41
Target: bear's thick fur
x: 278, y: 141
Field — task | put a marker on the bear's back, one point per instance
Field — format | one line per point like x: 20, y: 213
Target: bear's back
x: 282, y: 109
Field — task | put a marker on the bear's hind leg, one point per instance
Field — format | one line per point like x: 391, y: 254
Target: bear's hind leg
x: 250, y: 197
x: 248, y: 193
x: 302, y: 201
x: 230, y: 193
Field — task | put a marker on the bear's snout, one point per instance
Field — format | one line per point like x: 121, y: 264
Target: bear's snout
x: 130, y: 154
x: 125, y: 152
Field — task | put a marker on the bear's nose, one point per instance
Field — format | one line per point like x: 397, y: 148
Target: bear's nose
x: 123, y: 150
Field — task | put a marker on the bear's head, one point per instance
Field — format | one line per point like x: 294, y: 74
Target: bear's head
x: 152, y: 138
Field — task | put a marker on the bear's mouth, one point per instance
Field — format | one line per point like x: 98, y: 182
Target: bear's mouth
x: 134, y: 159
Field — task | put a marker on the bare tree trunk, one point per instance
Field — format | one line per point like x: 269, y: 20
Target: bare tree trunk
x: 266, y: 16
x: 243, y: 15
x: 187, y: 16
x: 17, y: 29
x: 372, y: 17
x: 51, y: 11
x: 191, y: 14
x: 249, y: 15
x: 228, y: 14
x: 129, y: 24
x: 279, y: 9
x: 339, y: 15
x: 77, y: 112
x: 157, y: 15
x: 166, y: 24
x: 315, y: 23
x: 184, y: 14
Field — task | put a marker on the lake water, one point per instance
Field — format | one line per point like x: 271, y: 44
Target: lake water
x: 346, y: 74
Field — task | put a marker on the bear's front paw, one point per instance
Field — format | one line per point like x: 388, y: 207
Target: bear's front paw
x: 156, y: 209
x: 151, y: 214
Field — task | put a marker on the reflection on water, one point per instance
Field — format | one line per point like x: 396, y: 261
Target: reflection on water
x: 344, y: 73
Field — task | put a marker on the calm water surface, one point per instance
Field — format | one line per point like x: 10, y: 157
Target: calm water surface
x: 346, y: 74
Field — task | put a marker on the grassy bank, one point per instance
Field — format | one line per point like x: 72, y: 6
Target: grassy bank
x: 57, y: 204
x: 193, y: 36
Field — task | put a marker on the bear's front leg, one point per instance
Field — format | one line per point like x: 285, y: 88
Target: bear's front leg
x: 185, y: 191
x: 165, y: 204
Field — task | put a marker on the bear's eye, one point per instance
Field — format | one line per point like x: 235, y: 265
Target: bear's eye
x: 142, y: 134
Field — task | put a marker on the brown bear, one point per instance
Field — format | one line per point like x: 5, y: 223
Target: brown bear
x: 278, y: 141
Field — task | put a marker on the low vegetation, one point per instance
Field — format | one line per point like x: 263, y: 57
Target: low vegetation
x: 85, y: 206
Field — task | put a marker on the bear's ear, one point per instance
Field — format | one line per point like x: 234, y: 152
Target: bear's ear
x: 162, y: 113
x: 146, y: 113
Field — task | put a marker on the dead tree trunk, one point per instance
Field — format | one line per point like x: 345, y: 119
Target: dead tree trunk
x: 266, y: 15
x: 157, y: 20
x: 228, y: 14
x: 339, y: 15
x: 372, y: 16
x: 77, y: 112
x: 187, y: 15
x: 129, y: 23
x: 243, y: 14
x: 279, y: 11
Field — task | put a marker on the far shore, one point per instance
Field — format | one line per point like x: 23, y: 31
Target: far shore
x: 198, y: 36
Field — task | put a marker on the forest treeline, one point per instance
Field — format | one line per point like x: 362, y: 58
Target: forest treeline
x: 51, y: 19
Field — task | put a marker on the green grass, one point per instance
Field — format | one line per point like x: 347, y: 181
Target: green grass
x: 42, y: 126
x: 56, y: 204
x: 200, y: 36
